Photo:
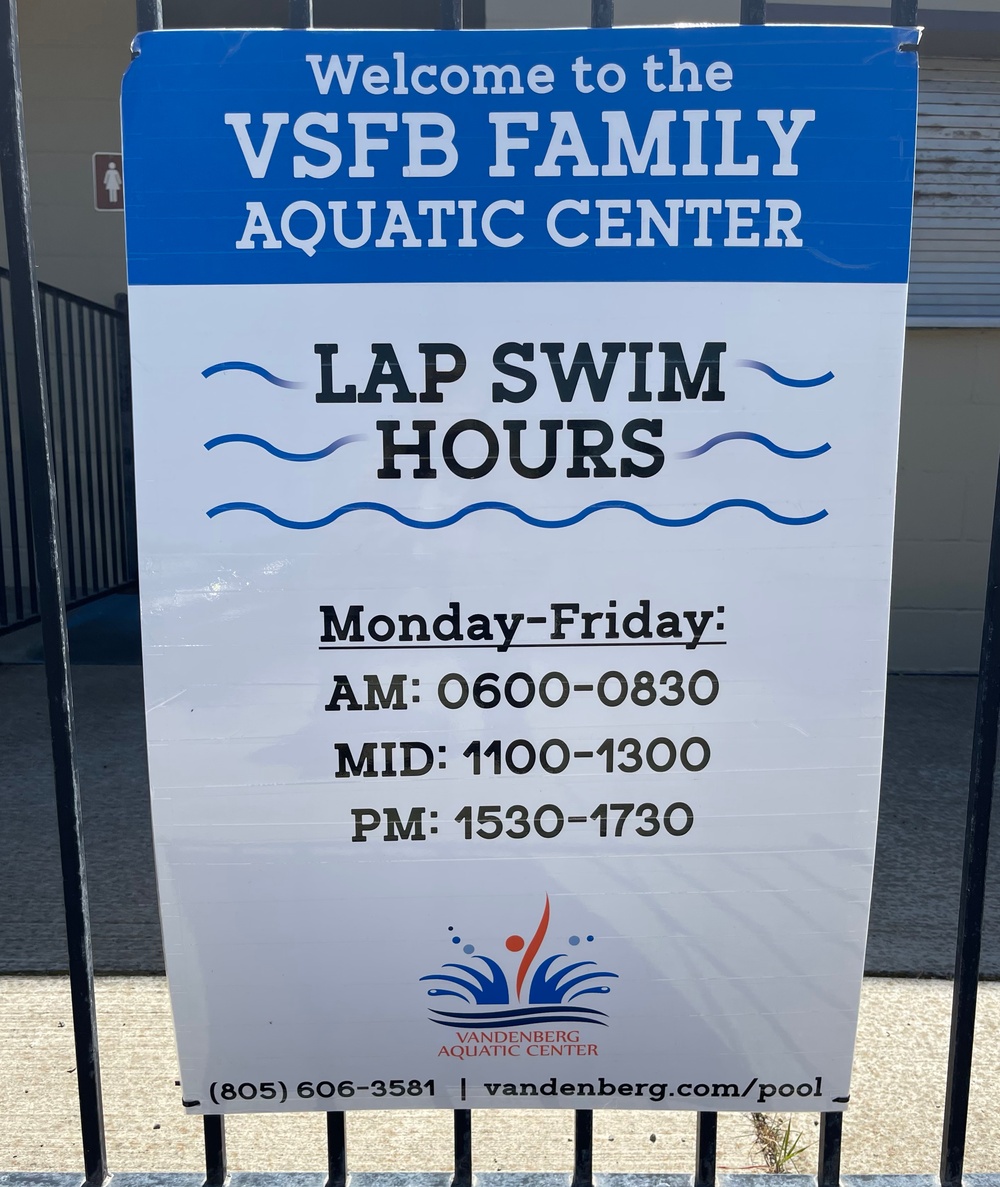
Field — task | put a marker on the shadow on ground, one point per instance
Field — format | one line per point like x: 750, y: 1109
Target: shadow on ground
x: 917, y: 866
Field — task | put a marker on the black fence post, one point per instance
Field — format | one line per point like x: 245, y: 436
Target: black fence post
x: 216, y: 1170
x: 830, y: 1129
x: 336, y: 1150
x: 473, y: 14
x: 753, y: 12
x: 904, y: 12
x: 34, y: 417
x: 300, y: 14
x: 602, y: 14
x: 973, y: 893
x: 463, y: 1148
x: 451, y: 14
x: 706, y: 1142
x: 583, y: 1148
x: 148, y: 15
x: 124, y: 375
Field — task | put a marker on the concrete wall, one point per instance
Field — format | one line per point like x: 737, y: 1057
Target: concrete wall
x: 949, y: 441
x: 73, y: 55
x: 522, y: 14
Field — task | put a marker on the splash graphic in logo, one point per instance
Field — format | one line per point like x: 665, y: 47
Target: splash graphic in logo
x: 547, y: 997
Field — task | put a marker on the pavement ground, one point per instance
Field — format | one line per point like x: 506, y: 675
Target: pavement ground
x: 893, y: 1123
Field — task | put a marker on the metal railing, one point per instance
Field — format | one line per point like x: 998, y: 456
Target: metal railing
x: 82, y: 349
x: 37, y: 368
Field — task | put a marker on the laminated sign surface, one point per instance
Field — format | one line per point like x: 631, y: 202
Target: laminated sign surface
x: 516, y: 423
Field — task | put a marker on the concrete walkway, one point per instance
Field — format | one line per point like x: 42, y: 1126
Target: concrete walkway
x: 893, y: 1124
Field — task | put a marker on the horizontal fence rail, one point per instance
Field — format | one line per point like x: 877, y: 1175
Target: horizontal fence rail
x: 81, y: 362
x: 82, y: 358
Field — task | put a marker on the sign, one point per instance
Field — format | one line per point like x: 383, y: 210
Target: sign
x: 516, y: 422
x: 109, y: 186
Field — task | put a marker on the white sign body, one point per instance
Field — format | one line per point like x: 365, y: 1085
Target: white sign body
x: 515, y: 585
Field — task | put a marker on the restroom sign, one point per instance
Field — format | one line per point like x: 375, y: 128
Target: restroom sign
x: 109, y: 183
x: 516, y: 421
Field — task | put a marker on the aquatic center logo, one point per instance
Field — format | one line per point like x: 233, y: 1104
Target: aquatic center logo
x: 547, y: 997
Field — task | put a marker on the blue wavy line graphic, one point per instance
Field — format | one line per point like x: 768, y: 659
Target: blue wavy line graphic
x: 765, y: 441
x: 239, y: 365
x: 282, y: 453
x: 779, y: 378
x: 531, y: 520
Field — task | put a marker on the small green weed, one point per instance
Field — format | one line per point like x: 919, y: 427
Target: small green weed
x: 776, y: 1144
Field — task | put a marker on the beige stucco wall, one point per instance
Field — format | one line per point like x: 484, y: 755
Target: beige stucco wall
x: 74, y: 53
x: 949, y: 441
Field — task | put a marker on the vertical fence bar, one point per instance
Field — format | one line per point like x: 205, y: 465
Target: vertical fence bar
x: 973, y: 893
x: 57, y: 427
x: 215, y: 1150
x: 85, y: 412
x: 463, y: 1148
x: 300, y: 14
x: 706, y: 1141
x: 103, y: 441
x: 336, y: 1150
x: 583, y: 1148
x: 148, y: 15
x: 114, y: 445
x: 26, y: 327
x: 473, y: 14
x: 128, y: 453
x: 69, y: 438
x: 753, y: 12
x: 451, y: 19
x: 113, y: 439
x: 111, y: 332
x: 830, y: 1130
x: 100, y: 443
x: 904, y: 12
x: 451, y: 14
x: 29, y: 572
x: 602, y: 14
x: 5, y: 609
x: 14, y: 533
x: 74, y: 507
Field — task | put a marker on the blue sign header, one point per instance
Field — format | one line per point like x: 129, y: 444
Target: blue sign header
x: 774, y: 153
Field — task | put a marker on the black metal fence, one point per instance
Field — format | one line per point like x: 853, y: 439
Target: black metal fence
x: 53, y: 333
x: 88, y: 412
